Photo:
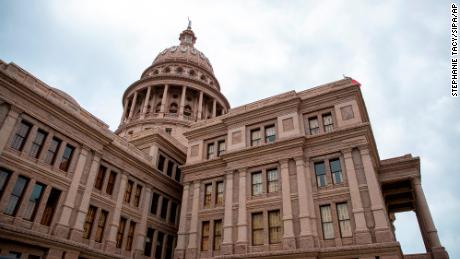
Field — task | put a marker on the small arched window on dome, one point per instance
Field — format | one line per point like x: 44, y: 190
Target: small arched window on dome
x: 155, y: 72
x: 187, y: 110
x: 173, y: 108
x: 203, y: 78
x: 167, y: 69
x: 179, y: 70
x: 191, y: 72
x: 158, y: 108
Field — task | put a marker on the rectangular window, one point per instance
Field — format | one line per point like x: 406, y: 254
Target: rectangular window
x: 148, y: 242
x: 169, y: 171
x: 326, y: 222
x: 121, y: 232
x: 164, y: 208
x: 111, y: 183
x: 320, y: 173
x: 159, y: 245
x: 270, y: 134
x: 50, y: 207
x: 217, y: 234
x: 205, y: 236
x: 52, y: 150
x: 37, y: 144
x: 34, y: 201
x: 66, y: 158
x: 173, y: 214
x: 221, y: 148
x: 256, y: 183
x: 274, y: 226
x: 272, y: 180
x: 327, y: 122
x: 129, y: 240
x: 169, y: 246
x: 313, y: 125
x: 336, y: 171
x: 207, y: 195
x: 344, y: 220
x: 88, y: 226
x: 220, y: 194
x: 100, y: 177
x: 20, y: 136
x: 161, y: 163
x: 101, y: 226
x: 4, y: 177
x: 16, y: 196
x: 129, y: 191
x: 210, y: 151
x: 257, y: 229
x: 255, y: 137
x: 178, y: 174
x: 137, y: 195
x: 154, y: 205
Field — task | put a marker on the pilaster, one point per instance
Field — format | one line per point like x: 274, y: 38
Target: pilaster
x: 362, y: 234
x: 182, y: 232
x: 242, y: 241
x: 7, y: 128
x: 227, y: 243
x: 288, y: 229
x: 193, y: 232
x: 62, y: 227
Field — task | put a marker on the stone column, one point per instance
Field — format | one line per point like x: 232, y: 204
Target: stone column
x: 182, y: 101
x: 200, y: 106
x: 113, y: 227
x: 382, y: 226
x: 193, y: 232
x: 429, y: 232
x: 214, y: 108
x: 182, y: 232
x: 163, y: 100
x: 362, y: 234
x: 125, y: 110
x: 141, y: 229
x: 242, y: 241
x: 133, y: 106
x: 7, y: 128
x: 62, y: 227
x: 77, y: 230
x: 227, y: 243
x: 154, y: 153
x: 305, y: 200
x: 146, y: 102
x: 288, y: 230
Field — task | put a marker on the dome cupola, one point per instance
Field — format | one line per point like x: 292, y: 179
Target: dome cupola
x: 178, y: 89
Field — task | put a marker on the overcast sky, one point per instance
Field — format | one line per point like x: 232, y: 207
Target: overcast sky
x: 398, y: 50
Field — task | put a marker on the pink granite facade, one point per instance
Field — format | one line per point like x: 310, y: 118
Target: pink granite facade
x: 296, y: 175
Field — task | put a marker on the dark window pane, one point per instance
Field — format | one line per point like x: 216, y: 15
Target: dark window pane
x: 16, y: 195
x: 34, y: 201
x: 161, y: 163
x: 37, y: 144
x: 148, y: 242
x: 172, y: 216
x: 154, y: 205
x: 52, y: 150
x: 66, y: 158
x: 111, y: 183
x: 159, y: 245
x: 20, y: 136
x: 50, y: 207
x: 164, y: 208
x: 170, y: 168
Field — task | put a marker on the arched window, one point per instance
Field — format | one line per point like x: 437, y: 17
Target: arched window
x: 187, y: 110
x: 173, y: 108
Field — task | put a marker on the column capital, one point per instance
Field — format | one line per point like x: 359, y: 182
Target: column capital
x: 299, y: 160
x: 242, y: 170
x: 346, y: 152
x: 364, y: 150
x: 229, y: 171
x: 284, y: 162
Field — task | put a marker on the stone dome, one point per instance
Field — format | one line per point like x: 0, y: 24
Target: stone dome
x: 185, y: 52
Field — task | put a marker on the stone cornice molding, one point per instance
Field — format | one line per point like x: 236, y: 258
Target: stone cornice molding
x: 165, y: 141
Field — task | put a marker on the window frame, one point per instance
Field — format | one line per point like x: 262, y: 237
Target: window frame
x: 17, y: 135
x: 66, y: 158
x: 319, y: 115
x: 36, y: 147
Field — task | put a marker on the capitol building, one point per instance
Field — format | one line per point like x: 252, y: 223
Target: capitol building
x: 295, y: 175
